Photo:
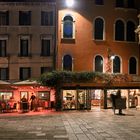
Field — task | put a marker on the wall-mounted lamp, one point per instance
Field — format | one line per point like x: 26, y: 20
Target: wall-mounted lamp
x: 111, y: 55
x: 69, y: 3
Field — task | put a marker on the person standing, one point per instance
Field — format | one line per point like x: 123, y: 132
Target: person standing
x: 33, y: 98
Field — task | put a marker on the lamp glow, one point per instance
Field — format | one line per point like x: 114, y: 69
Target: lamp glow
x: 69, y: 3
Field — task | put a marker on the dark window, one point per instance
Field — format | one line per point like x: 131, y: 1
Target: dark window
x: 45, y: 49
x: 119, y: 30
x: 25, y: 73
x: 130, y: 3
x: 2, y: 48
x: 45, y: 69
x: 4, y: 17
x: 4, y: 74
x: 116, y: 65
x: 24, y: 17
x: 132, y: 65
x: 67, y: 63
x: 24, y: 47
x: 98, y: 64
x: 130, y: 31
x: 119, y: 3
x: 47, y: 18
x: 99, y: 25
x: 99, y: 2
x: 68, y: 27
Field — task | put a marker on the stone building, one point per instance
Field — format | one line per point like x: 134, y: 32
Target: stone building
x: 27, y: 46
x: 98, y: 35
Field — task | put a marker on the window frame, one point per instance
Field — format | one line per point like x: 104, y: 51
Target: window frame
x: 25, y: 18
x: 63, y: 59
x: 73, y: 27
x: 4, y: 74
x: 133, y: 66
x: 4, y: 18
x: 27, y: 39
x: 47, y: 18
x: 103, y: 29
x: 22, y: 73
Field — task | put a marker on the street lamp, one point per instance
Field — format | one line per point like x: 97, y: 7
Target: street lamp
x: 69, y: 3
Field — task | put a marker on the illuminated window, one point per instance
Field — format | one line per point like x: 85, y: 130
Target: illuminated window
x: 130, y: 31
x: 44, y: 95
x: 119, y: 30
x: 68, y: 27
x: 6, y: 95
x: 98, y: 29
x: 116, y: 65
x: 67, y: 63
x: 98, y: 64
x: 132, y: 65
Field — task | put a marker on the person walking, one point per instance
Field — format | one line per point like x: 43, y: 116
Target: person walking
x: 33, y: 97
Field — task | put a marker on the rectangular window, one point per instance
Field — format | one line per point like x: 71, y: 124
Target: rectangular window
x: 24, y: 17
x: 4, y: 74
x: 99, y: 2
x: 119, y: 3
x: 45, y: 69
x: 45, y: 48
x: 24, y: 47
x: 131, y: 4
x: 25, y: 73
x: 6, y: 95
x: 47, y: 18
x: 44, y: 95
x: 4, y: 17
x: 2, y: 48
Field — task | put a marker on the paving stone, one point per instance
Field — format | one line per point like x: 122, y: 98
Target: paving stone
x: 71, y: 125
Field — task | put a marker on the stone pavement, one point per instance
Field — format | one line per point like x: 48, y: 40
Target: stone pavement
x: 71, y: 125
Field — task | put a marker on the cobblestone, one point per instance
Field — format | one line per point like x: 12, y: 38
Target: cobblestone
x: 96, y: 124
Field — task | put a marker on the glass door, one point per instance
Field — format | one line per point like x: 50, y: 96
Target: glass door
x: 82, y: 99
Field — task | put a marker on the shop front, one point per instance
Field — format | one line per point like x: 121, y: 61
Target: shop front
x: 78, y: 99
x: 18, y: 97
x: 90, y: 95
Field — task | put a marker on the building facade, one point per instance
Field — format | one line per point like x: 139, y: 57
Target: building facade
x: 27, y: 43
x: 98, y: 35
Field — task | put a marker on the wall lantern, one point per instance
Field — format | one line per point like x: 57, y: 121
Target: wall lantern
x: 69, y: 3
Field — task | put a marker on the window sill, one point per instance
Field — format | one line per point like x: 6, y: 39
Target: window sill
x: 68, y: 40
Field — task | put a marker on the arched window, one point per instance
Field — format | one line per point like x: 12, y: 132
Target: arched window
x: 98, y: 28
x: 67, y: 63
x: 132, y: 65
x: 119, y: 30
x: 119, y: 3
x: 68, y: 27
x: 116, y: 65
x: 98, y: 63
x: 130, y: 31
